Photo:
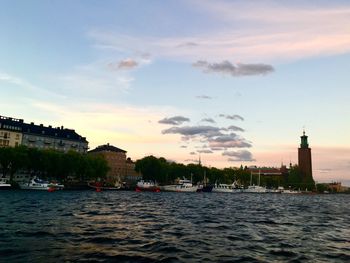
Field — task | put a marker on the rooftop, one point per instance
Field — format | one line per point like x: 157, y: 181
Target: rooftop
x: 8, y: 123
x: 107, y: 148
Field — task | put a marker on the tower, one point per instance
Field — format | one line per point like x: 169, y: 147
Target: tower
x: 304, y: 158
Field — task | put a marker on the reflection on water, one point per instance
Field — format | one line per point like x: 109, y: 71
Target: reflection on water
x: 172, y: 227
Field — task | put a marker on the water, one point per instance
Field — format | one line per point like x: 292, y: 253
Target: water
x: 173, y: 227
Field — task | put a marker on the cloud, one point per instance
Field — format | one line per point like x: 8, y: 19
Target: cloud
x: 188, y: 44
x: 229, y: 141
x: 125, y: 64
x: 277, y: 31
x: 239, y: 156
x: 210, y: 120
x: 191, y: 130
x: 176, y: 120
x: 216, y: 148
x: 238, y: 70
x: 183, y: 146
x: 204, y: 97
x: 234, y: 128
x: 193, y: 153
x: 232, y: 117
x: 205, y: 151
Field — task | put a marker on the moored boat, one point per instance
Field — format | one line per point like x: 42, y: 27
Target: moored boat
x: 222, y: 188
x: 38, y: 184
x: 184, y: 185
x: 98, y: 186
x: 148, y: 186
x: 4, y: 185
x: 254, y: 189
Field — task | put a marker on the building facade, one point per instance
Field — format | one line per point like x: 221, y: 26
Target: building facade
x: 304, y: 157
x: 122, y: 169
x: 14, y: 132
x: 10, y: 134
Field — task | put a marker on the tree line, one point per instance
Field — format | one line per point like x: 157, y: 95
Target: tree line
x: 164, y: 172
x: 51, y: 164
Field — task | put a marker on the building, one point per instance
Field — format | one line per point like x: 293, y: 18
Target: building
x: 304, y: 158
x: 116, y: 159
x: 122, y: 169
x: 14, y: 132
x: 10, y: 132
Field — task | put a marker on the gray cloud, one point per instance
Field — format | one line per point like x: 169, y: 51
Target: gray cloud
x: 239, y: 156
x: 123, y: 64
x: 176, y: 120
x: 191, y: 130
x: 193, y: 153
x: 183, y: 146
x: 234, y: 128
x: 205, y: 97
x: 208, y: 120
x: 240, y: 69
x: 229, y: 141
x: 232, y: 117
x: 205, y: 151
x: 216, y: 148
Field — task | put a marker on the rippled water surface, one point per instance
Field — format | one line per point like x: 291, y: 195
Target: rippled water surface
x: 172, y: 227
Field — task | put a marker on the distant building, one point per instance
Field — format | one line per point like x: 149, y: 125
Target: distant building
x: 304, y: 157
x: 14, y: 132
x: 121, y: 168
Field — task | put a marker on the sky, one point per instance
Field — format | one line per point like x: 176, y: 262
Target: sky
x: 234, y: 82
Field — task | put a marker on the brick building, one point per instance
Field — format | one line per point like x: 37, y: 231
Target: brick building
x: 122, y: 169
x: 304, y: 158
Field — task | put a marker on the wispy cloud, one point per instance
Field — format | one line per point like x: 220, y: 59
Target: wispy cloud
x: 176, y: 120
x: 238, y: 70
x: 205, y: 97
x: 205, y: 151
x: 234, y: 128
x: 268, y: 31
x: 126, y: 64
x: 232, y: 117
x: 210, y: 120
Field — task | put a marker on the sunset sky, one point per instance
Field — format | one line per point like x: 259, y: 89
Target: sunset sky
x: 233, y: 81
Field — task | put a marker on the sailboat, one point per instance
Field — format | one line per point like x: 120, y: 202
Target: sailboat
x: 255, y: 188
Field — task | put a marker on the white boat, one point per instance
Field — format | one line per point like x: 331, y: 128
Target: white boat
x: 288, y: 191
x: 38, y: 184
x: 183, y: 186
x: 254, y: 188
x: 4, y: 185
x: 222, y: 188
x: 148, y: 186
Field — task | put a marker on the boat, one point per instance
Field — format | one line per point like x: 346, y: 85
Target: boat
x: 39, y: 184
x: 4, y: 185
x: 288, y: 191
x: 205, y: 188
x: 222, y: 188
x: 254, y: 188
x: 147, y: 186
x: 99, y: 186
x: 184, y: 185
